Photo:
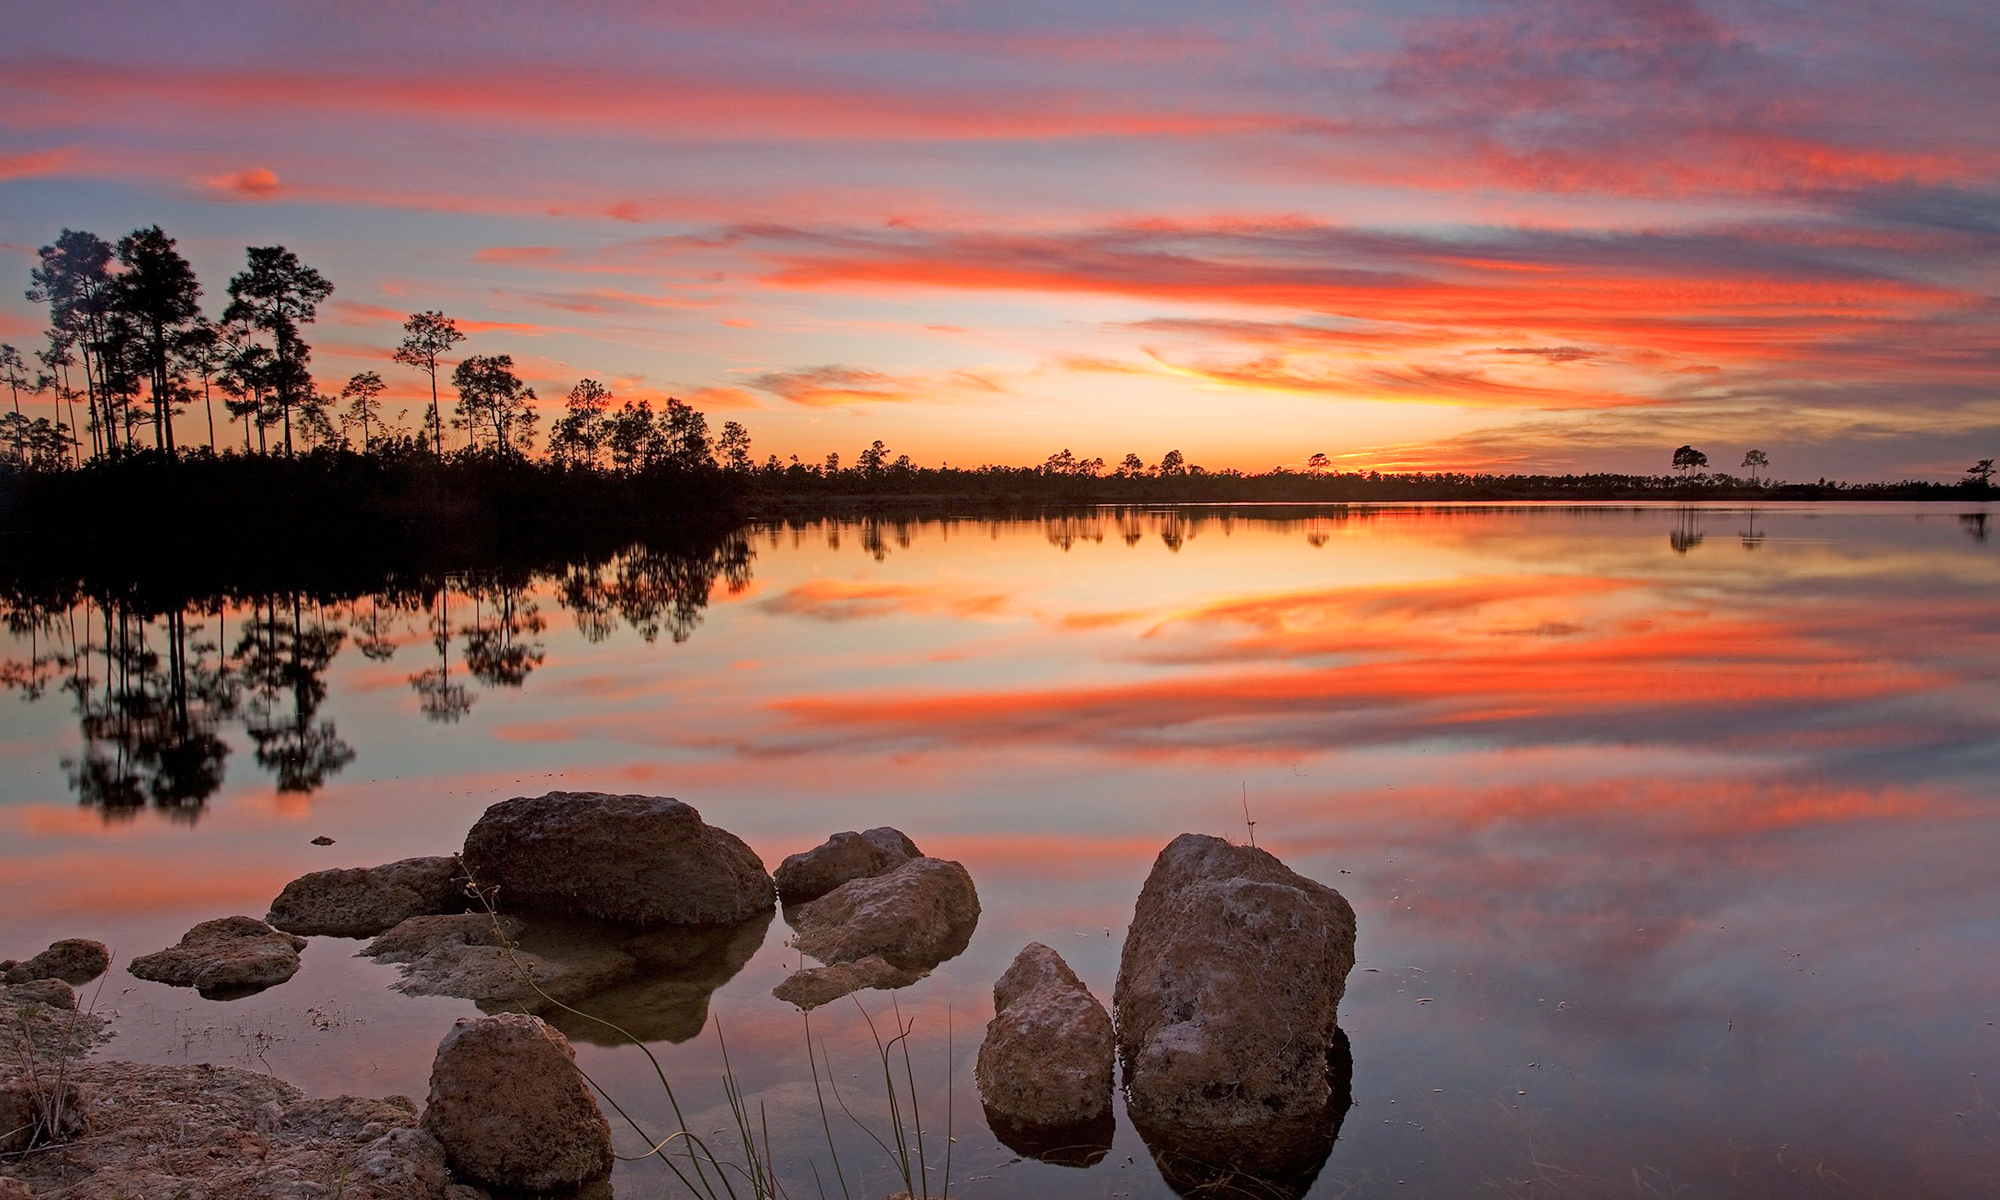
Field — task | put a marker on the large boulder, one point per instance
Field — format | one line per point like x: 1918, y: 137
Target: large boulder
x: 916, y: 916
x: 512, y: 1112
x: 1227, y: 992
x: 1046, y: 1062
x: 638, y: 859
x: 225, y: 959
x: 364, y: 901
x: 840, y: 858
x: 72, y: 960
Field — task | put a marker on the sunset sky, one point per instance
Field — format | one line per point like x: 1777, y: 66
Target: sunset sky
x: 1442, y: 234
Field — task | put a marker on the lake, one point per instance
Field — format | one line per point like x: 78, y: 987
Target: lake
x: 1672, y: 832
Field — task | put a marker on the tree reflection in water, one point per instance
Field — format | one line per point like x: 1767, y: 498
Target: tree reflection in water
x: 154, y: 689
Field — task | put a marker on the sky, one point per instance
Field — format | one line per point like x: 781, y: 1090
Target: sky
x: 1509, y: 236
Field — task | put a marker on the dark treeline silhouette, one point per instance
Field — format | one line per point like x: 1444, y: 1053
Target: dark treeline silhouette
x: 160, y: 666
x: 331, y: 470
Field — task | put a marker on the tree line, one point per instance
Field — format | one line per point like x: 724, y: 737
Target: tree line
x: 129, y: 348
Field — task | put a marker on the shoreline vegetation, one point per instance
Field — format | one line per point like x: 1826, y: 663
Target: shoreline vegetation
x: 332, y: 471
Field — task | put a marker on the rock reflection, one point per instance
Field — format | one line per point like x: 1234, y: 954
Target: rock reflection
x: 1279, y: 1161
x: 1076, y: 1146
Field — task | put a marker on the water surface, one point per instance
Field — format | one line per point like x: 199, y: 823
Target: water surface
x: 1671, y: 831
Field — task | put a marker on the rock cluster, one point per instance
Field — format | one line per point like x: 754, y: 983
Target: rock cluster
x: 225, y: 958
x: 841, y: 858
x: 364, y: 901
x: 1044, y: 1070
x: 72, y: 960
x: 1227, y: 992
x: 637, y: 859
x: 510, y: 1109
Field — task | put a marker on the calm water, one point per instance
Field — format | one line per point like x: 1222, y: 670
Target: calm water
x: 1672, y: 833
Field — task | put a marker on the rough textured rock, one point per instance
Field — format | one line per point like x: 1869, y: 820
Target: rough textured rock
x: 13, y: 1189
x: 51, y: 992
x: 225, y: 958
x: 916, y: 916
x: 72, y: 960
x: 1046, y: 1061
x: 1227, y: 992
x: 842, y: 857
x: 364, y: 901
x: 811, y: 987
x: 639, y: 859
x: 37, y: 1111
x: 412, y: 939
x: 510, y: 1109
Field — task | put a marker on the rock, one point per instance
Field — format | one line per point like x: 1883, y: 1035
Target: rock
x: 72, y: 960
x: 1228, y: 987
x: 364, y: 901
x: 667, y: 998
x: 842, y: 857
x: 640, y: 859
x: 53, y: 993
x: 813, y: 986
x: 40, y: 1112
x: 219, y: 1133
x: 916, y: 916
x: 497, y: 978
x: 1046, y: 1061
x: 322, y: 840
x: 415, y: 937
x: 225, y: 959
x: 510, y: 1109
x: 13, y: 1189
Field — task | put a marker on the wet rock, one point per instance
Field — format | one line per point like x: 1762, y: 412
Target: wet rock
x: 412, y: 939
x: 811, y: 987
x: 510, y: 1109
x: 52, y: 993
x: 499, y: 978
x: 841, y: 858
x: 639, y: 859
x: 1227, y: 992
x: 72, y: 960
x: 364, y: 901
x: 916, y: 916
x: 38, y: 1112
x: 1046, y: 1061
x: 225, y: 959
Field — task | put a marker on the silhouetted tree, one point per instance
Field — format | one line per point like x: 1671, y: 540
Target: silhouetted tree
x: 870, y: 461
x: 277, y: 294
x: 634, y: 438
x: 734, y: 447
x: 1172, y: 464
x: 1317, y: 463
x: 363, y: 393
x: 579, y: 434
x: 1131, y: 467
x: 74, y: 280
x: 684, y: 433
x: 1755, y: 461
x: 491, y: 396
x: 13, y: 373
x: 1980, y: 474
x: 201, y: 350
x: 427, y: 335
x: 158, y: 291
x: 1687, y: 459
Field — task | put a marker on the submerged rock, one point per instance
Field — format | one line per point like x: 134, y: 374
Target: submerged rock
x: 811, y: 987
x: 916, y: 916
x: 1228, y: 987
x: 841, y: 858
x: 364, y: 901
x: 638, y: 859
x: 225, y: 959
x: 510, y: 1109
x: 1046, y: 1062
x: 412, y: 939
x: 72, y: 960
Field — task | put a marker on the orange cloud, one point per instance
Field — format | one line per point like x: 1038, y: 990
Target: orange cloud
x: 251, y: 183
